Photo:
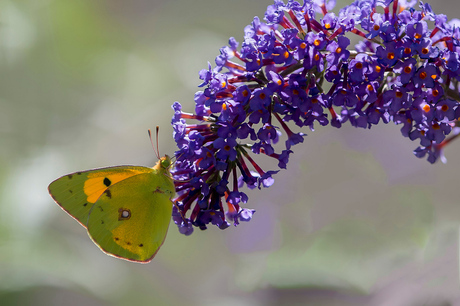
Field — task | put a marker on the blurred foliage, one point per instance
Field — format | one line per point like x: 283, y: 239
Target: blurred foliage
x: 357, y: 221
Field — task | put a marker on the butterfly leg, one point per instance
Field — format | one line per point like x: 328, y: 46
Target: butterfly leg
x: 178, y: 209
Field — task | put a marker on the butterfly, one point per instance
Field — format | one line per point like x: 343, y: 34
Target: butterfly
x: 125, y: 209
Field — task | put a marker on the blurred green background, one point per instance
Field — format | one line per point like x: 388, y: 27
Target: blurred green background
x: 356, y: 219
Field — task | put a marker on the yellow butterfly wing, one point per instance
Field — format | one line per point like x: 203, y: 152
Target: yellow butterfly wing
x: 130, y: 220
x: 77, y: 192
x: 126, y: 209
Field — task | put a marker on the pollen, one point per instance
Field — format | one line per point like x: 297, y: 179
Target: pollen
x: 436, y: 126
x: 418, y: 35
x: 407, y: 50
x: 303, y: 45
x: 208, y: 154
x: 286, y: 54
x: 317, y: 42
x: 223, y: 84
x: 376, y: 27
x: 317, y: 57
x: 435, y: 92
x: 227, y: 148
x: 370, y: 88
x: 338, y: 50
x: 390, y: 55
x: 359, y: 65
x: 224, y: 106
x: 423, y: 75
x: 426, y: 108
x: 399, y: 94
x: 295, y: 92
x: 378, y: 68
x: 245, y: 93
x: 279, y: 82
x: 262, y: 95
x: 327, y: 26
x: 425, y: 51
x: 407, y: 69
x: 314, y: 101
x: 445, y: 108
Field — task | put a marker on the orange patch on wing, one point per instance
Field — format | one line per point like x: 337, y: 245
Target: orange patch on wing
x: 94, y: 186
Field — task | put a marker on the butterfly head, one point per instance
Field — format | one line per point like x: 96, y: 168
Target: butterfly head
x: 165, y: 162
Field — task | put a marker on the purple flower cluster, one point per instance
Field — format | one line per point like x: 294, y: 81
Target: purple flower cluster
x: 297, y: 68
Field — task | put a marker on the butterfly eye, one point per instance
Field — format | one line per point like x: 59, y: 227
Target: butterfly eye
x: 166, y: 162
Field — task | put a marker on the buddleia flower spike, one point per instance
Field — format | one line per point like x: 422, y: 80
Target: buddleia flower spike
x: 297, y: 68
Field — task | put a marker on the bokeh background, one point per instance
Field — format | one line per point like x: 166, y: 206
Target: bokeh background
x: 356, y: 219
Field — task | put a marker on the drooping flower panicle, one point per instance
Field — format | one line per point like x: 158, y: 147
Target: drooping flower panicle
x: 297, y: 68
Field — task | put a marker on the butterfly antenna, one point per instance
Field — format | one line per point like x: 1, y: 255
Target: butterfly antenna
x: 156, y: 136
x: 153, y: 146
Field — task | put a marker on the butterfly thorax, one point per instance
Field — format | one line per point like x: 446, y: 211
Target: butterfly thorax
x: 162, y: 168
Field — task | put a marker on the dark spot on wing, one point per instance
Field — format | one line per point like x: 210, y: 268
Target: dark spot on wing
x: 84, y: 204
x: 100, y: 207
x: 70, y: 176
x: 108, y: 194
x: 107, y: 182
x: 158, y: 190
x: 116, y: 238
x: 70, y: 191
x: 123, y: 214
x: 128, y: 243
x: 102, y: 221
x: 141, y: 245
